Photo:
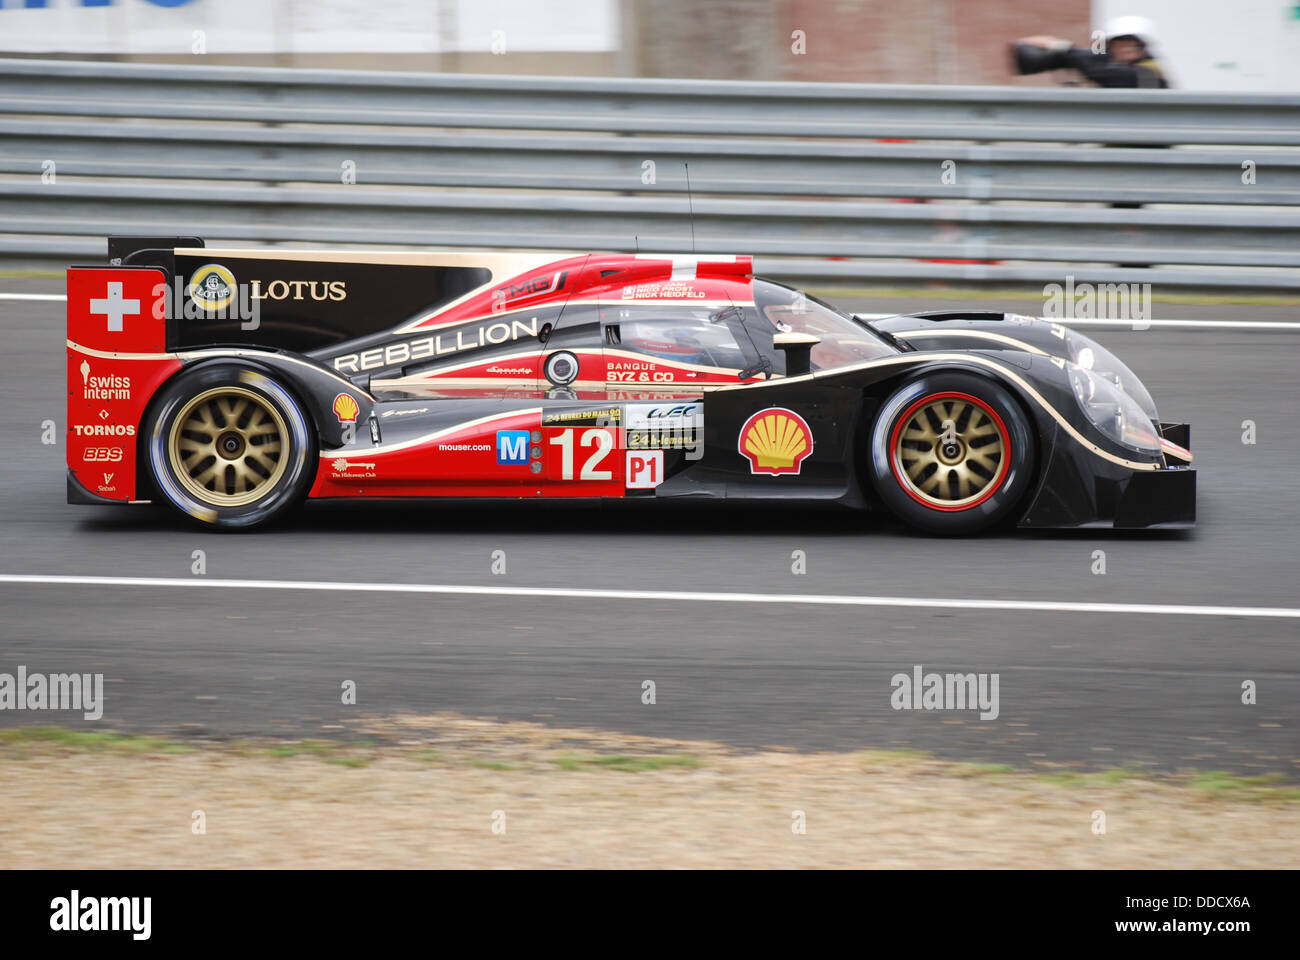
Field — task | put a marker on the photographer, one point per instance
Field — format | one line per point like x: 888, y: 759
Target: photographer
x: 1127, y: 61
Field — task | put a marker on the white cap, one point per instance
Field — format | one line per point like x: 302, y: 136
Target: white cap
x: 1139, y: 27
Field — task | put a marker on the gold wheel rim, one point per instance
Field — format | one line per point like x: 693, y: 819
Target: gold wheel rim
x: 951, y: 452
x: 227, y: 447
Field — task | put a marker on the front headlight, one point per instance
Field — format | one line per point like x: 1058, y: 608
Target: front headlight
x: 1112, y: 411
x: 1092, y: 356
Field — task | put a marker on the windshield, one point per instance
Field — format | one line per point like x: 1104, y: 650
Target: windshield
x: 686, y: 339
x: 844, y: 340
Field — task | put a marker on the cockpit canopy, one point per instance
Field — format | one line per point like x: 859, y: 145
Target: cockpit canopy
x: 782, y: 309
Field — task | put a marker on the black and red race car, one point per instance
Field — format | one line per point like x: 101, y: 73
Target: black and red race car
x: 236, y: 384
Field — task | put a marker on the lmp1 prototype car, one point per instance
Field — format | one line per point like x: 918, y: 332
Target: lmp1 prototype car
x: 236, y: 384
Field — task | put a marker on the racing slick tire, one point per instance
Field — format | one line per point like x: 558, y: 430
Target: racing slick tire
x: 230, y: 447
x: 952, y: 453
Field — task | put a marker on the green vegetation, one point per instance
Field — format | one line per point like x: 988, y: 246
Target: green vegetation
x: 18, y: 274
x: 626, y: 762
x: 492, y: 764
x: 1079, y: 778
x: 985, y: 769
x: 22, y: 743
x: 899, y: 755
x: 1268, y: 786
x: 89, y: 740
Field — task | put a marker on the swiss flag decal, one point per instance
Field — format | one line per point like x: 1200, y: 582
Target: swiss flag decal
x: 117, y: 309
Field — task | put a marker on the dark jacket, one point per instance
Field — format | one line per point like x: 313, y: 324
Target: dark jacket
x: 1098, y: 68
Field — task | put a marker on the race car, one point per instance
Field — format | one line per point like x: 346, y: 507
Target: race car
x: 236, y: 384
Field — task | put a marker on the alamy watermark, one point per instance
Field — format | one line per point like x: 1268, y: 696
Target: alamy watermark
x: 76, y: 913
x: 53, y: 691
x: 946, y: 691
x: 1129, y: 302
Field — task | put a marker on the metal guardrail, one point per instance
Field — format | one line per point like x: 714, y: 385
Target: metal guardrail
x: 96, y: 148
x: 790, y: 172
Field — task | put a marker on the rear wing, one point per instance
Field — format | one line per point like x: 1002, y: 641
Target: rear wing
x: 305, y: 300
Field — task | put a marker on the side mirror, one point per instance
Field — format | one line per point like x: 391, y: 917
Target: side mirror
x: 798, y: 351
x: 764, y: 366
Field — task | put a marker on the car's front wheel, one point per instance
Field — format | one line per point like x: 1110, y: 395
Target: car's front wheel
x: 230, y: 446
x: 952, y: 453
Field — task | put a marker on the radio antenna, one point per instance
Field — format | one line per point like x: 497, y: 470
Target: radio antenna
x: 637, y: 241
x: 690, y: 204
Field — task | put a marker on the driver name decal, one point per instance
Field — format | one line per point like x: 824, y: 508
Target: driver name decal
x: 663, y: 291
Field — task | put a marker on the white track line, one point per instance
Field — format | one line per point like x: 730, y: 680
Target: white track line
x: 1129, y: 324
x: 1072, y: 322
x: 831, y: 600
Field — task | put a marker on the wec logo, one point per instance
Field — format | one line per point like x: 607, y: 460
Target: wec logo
x: 680, y: 410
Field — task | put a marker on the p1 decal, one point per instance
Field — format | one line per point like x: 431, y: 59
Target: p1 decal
x: 346, y: 408
x: 775, y: 441
x: 645, y: 469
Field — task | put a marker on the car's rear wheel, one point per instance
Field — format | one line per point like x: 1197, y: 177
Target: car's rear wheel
x: 230, y: 447
x: 952, y: 453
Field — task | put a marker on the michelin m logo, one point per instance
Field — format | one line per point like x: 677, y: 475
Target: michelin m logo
x: 512, y: 447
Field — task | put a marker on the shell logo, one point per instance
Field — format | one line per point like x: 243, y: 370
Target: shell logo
x: 775, y: 441
x: 345, y: 408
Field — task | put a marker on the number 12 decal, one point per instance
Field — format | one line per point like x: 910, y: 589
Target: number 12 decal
x: 599, y: 441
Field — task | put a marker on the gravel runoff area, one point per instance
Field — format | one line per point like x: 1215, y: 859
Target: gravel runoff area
x: 450, y: 791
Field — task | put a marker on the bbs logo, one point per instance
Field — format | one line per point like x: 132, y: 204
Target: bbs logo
x: 102, y: 455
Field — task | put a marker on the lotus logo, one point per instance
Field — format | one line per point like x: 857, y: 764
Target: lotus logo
x: 345, y: 408
x: 212, y: 286
x: 775, y: 441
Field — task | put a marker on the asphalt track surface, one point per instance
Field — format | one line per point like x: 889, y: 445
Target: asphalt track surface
x: 1098, y: 689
